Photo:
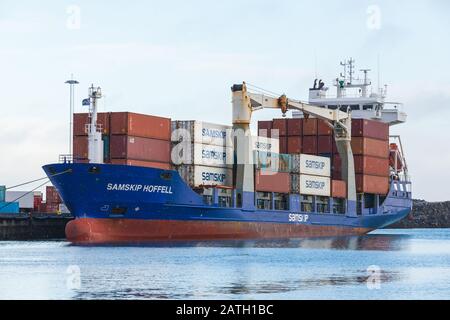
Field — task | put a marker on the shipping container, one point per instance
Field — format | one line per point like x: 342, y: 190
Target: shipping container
x: 138, y: 148
x: 272, y: 161
x: 283, y: 143
x: 315, y: 185
x: 370, y: 147
x: 52, y: 195
x: 80, y: 147
x: 338, y: 189
x: 294, y: 127
x: 140, y: 125
x: 24, y: 198
x: 325, y: 144
x: 372, y: 184
x: 370, y: 129
x: 81, y: 120
x: 314, y: 165
x: 38, y: 197
x: 371, y: 166
x: 2, y: 193
x: 139, y: 163
x: 269, y: 181
x: 310, y: 127
x: 9, y: 207
x: 281, y: 126
x: 323, y: 129
x: 197, y: 176
x: 202, y: 132
x: 294, y: 145
x: 309, y: 145
x: 202, y: 154
x: 264, y: 128
x: 263, y: 144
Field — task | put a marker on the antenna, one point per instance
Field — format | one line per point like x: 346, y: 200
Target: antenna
x: 379, y: 77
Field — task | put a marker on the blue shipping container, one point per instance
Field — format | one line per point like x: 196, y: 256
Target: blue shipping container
x: 2, y: 193
x: 9, y: 207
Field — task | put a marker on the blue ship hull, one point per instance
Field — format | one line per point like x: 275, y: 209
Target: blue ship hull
x: 123, y: 204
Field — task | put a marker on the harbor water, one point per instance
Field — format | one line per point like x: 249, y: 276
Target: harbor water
x: 387, y: 264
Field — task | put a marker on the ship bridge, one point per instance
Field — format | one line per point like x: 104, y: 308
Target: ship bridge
x: 356, y: 95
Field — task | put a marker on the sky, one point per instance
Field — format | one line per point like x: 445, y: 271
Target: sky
x: 179, y: 59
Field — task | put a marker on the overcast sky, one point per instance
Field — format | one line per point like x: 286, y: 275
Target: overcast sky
x: 179, y: 58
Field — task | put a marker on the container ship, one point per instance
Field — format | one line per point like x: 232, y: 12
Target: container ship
x: 332, y: 169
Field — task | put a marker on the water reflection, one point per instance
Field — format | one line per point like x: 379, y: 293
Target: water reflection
x: 376, y: 242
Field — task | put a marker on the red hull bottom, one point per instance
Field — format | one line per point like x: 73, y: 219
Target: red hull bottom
x: 104, y: 231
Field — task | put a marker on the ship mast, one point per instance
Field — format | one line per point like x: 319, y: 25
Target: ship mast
x: 95, y: 147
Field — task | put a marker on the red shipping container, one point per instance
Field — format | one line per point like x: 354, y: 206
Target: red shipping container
x: 295, y: 127
x: 372, y: 184
x: 281, y: 126
x: 140, y: 125
x: 80, y: 147
x: 283, y: 141
x: 309, y: 145
x: 370, y: 129
x: 266, y: 181
x: 294, y: 145
x: 338, y: 189
x: 370, y: 147
x: 323, y: 129
x: 52, y: 195
x: 310, y: 127
x: 37, y: 202
x: 138, y: 163
x: 81, y: 119
x: 138, y: 148
x: 371, y: 166
x: 325, y: 144
x: 264, y: 128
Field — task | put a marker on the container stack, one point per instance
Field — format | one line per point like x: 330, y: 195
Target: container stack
x: 5, y: 206
x: 310, y: 175
x: 370, y: 145
x: 53, y: 200
x: 128, y: 139
x: 202, y: 153
x: 80, y: 136
x: 311, y: 136
x: 38, y: 198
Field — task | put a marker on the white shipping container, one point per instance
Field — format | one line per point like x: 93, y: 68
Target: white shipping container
x: 197, y: 176
x: 263, y: 144
x: 314, y: 165
x: 315, y: 185
x: 202, y: 132
x: 202, y: 154
x: 26, y: 200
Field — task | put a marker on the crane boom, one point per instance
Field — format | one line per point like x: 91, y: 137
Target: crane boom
x: 245, y: 103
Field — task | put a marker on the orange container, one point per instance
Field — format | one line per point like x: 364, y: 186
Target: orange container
x: 266, y: 181
x: 325, y: 144
x: 338, y: 189
x: 372, y: 184
x: 323, y: 129
x: 294, y: 145
x: 370, y: 129
x: 310, y: 127
x: 138, y: 163
x: 295, y: 127
x: 309, y: 145
x: 138, y: 148
x: 81, y: 119
x: 281, y: 126
x: 80, y: 147
x: 264, y: 128
x: 371, y: 166
x: 140, y: 125
x: 370, y: 147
